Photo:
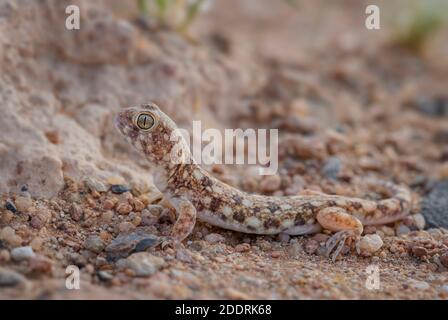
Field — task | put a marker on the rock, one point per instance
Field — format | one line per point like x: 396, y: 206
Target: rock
x: 138, y: 205
x: 95, y: 185
x: 108, y: 204
x: 242, y: 247
x: 94, y: 243
x: 23, y: 203
x: 124, y: 208
x: 105, y: 276
x: 125, y: 226
x: 431, y: 106
x: 36, y: 243
x: 9, y: 205
x: 40, y: 219
x: 415, y: 221
x: 270, y: 183
x: 418, y: 285
x: 444, y: 259
x: 119, y: 188
x: 419, y: 251
x: 5, y: 256
x: 321, y: 238
x: 435, y: 206
x: 311, y: 246
x: 233, y: 294
x: 370, y: 244
x: 8, y: 234
x: 41, y: 265
x: 123, y: 245
x: 184, y: 255
x: 9, y: 278
x: 214, y: 238
x: 402, y: 230
x: 332, y: 168
x: 144, y: 264
x: 22, y: 253
x: 76, y: 212
x: 295, y: 249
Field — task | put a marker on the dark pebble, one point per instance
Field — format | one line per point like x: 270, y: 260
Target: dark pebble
x: 332, y: 168
x: 10, y: 206
x: 126, y: 243
x: 435, y: 206
x: 431, y: 106
x: 119, y: 188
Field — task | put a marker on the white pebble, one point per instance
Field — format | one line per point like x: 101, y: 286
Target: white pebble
x: 22, y: 253
x: 369, y: 244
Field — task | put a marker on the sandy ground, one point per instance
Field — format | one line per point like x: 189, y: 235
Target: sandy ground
x: 348, y: 104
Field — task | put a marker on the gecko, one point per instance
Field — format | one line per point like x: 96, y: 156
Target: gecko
x: 196, y: 194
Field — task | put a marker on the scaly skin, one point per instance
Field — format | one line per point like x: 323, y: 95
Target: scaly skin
x: 196, y: 194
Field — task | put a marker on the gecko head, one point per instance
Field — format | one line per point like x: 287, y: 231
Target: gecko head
x: 149, y: 130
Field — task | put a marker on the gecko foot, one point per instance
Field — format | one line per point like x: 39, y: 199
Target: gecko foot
x: 336, y: 243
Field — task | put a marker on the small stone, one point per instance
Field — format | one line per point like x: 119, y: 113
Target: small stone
x: 402, y: 230
x: 332, y: 168
x: 105, y: 276
x: 184, y: 256
x: 419, y: 251
x: 8, y: 234
x: 419, y: 221
x: 214, y: 238
x: 138, y: 205
x: 125, y: 226
x: 107, y: 217
x: 4, y: 255
x: 311, y: 246
x: 295, y: 249
x: 242, y: 247
x: 419, y: 285
x: 370, y: 244
x: 144, y: 264
x: 276, y: 254
x: 283, y: 237
x: 9, y: 205
x: 234, y: 294
x: 40, y: 219
x: 94, y: 243
x: 115, y: 180
x: 95, y: 185
x: 388, y: 231
x: 41, y: 265
x: 36, y: 243
x: 23, y: 203
x: 444, y: 259
x: 124, y: 208
x: 119, y: 188
x: 369, y: 230
x: 10, y: 278
x: 76, y: 212
x: 138, y: 240
x: 22, y: 253
x: 109, y: 204
x: 270, y: 183
x: 434, y: 205
x: 444, y: 288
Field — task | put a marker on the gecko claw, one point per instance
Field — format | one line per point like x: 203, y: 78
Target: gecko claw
x: 336, y: 243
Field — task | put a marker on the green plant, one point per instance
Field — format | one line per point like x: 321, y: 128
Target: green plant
x: 420, y: 21
x: 177, y: 14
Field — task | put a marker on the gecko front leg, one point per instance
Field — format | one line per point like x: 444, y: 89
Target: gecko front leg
x: 345, y: 225
x: 186, y: 219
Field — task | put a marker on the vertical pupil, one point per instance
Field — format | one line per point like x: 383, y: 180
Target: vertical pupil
x: 145, y: 121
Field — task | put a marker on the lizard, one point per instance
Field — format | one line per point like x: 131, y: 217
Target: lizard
x: 195, y: 194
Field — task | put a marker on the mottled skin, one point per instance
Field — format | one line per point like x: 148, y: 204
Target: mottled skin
x: 194, y: 193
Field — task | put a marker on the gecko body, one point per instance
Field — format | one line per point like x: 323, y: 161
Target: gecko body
x: 195, y: 194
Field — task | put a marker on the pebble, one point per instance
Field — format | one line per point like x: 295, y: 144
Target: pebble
x: 311, y: 246
x: 144, y: 264
x: 124, y: 208
x: 95, y: 185
x: 94, y: 243
x: 233, y: 294
x: 138, y: 205
x: 9, y: 278
x: 321, y: 237
x: 107, y: 217
x: 124, y: 244
x: 419, y: 251
x: 9, y: 235
x: 109, y: 204
x: 184, y: 256
x: 23, y: 203
x: 332, y: 168
x: 22, y: 253
x: 370, y: 244
x: 444, y: 259
x: 105, y: 276
x: 9, y: 205
x: 434, y: 206
x: 444, y: 288
x: 388, y: 231
x: 119, y: 188
x: 214, y: 238
x: 76, y: 212
x: 402, y: 230
x: 295, y: 249
x: 419, y: 285
x: 276, y: 254
x: 125, y: 226
x: 36, y: 243
x: 41, y: 265
x: 242, y: 247
x: 4, y: 255
x: 40, y: 219
x: 270, y: 183
x: 283, y: 237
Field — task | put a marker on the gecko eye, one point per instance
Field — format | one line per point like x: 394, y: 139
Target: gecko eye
x: 145, y: 121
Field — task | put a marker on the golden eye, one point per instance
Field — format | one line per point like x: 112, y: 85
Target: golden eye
x: 145, y: 121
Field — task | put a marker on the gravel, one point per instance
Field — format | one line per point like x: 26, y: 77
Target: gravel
x: 22, y: 253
